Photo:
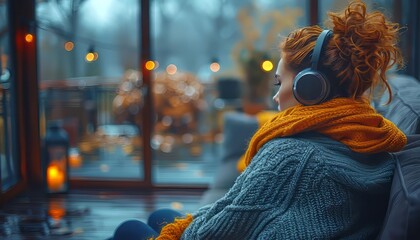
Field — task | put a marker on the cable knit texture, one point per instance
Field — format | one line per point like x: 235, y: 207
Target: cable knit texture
x: 262, y: 118
x: 352, y: 122
x: 305, y: 187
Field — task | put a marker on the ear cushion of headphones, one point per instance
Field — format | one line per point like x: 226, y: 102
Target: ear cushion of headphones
x: 311, y: 87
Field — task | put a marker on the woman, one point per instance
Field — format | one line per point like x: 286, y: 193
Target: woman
x: 318, y: 169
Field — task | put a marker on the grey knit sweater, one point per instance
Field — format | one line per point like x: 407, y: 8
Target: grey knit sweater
x: 304, y: 187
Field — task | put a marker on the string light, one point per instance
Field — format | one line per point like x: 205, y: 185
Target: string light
x: 215, y: 67
x: 29, y: 38
x: 267, y: 65
x: 82, y: 39
x: 150, y: 65
x: 91, y: 55
x: 171, y: 69
x: 69, y: 45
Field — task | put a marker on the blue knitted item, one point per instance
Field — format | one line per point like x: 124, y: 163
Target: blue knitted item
x: 307, y: 187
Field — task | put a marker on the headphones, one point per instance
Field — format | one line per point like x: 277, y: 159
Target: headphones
x: 311, y: 86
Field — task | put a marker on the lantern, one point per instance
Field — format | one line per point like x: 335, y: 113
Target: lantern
x: 55, y: 151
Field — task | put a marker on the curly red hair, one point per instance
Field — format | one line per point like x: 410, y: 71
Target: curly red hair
x: 362, y: 49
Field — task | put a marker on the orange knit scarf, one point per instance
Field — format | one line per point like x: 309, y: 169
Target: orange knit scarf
x: 354, y: 123
x: 173, y: 231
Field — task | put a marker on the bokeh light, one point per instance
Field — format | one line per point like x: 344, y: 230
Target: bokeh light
x: 171, y: 69
x: 150, y: 65
x: 156, y: 64
x: 90, y: 56
x: 214, y: 67
x: 29, y: 37
x: 267, y: 65
x: 95, y: 56
x: 69, y: 46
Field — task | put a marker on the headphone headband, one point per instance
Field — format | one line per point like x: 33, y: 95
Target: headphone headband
x: 321, y: 42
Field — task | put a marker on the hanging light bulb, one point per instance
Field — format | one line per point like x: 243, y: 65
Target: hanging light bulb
x: 91, y: 55
x: 69, y: 45
x: 171, y: 69
x: 267, y: 65
x: 29, y: 38
x: 214, y: 65
x: 150, y: 65
x: 30, y: 33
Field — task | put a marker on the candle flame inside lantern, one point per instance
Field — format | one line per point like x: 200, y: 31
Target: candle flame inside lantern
x: 55, y: 178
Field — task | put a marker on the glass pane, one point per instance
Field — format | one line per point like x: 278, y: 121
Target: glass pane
x: 3, y: 15
x: 88, y: 53
x: 384, y: 6
x: 9, y: 165
x: 202, y: 49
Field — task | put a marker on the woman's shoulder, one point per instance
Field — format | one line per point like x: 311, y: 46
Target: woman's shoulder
x: 318, y: 150
x: 340, y: 163
x: 286, y: 153
x: 303, y: 145
x: 328, y: 148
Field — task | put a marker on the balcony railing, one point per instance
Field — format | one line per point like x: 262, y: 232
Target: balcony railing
x: 109, y: 144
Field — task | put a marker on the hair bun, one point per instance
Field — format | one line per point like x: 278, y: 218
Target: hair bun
x: 362, y: 28
x: 366, y: 45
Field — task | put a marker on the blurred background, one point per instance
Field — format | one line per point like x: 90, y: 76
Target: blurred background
x: 206, y: 59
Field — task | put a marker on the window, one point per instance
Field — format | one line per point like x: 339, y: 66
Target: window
x: 9, y: 166
x: 90, y: 80
x: 88, y: 57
